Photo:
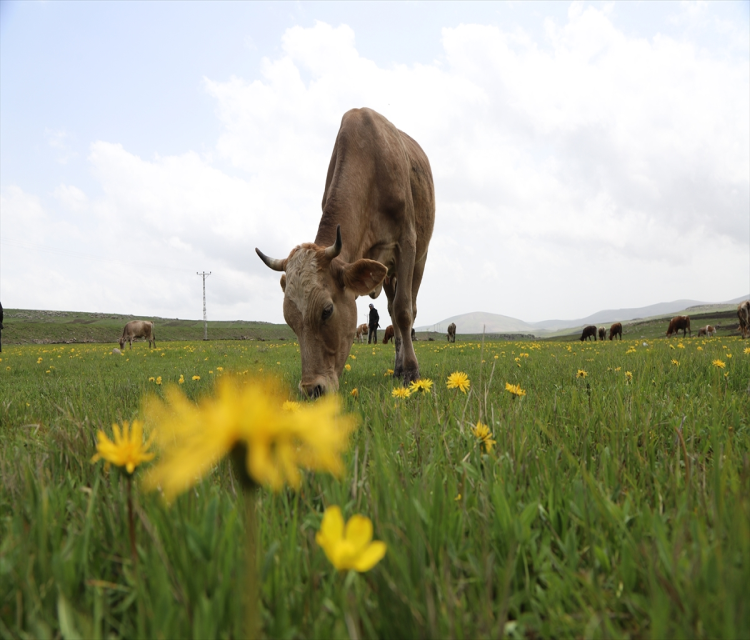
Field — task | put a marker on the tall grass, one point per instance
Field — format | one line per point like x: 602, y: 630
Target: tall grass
x: 608, y: 507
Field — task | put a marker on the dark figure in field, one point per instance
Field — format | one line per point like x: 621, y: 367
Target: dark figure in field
x: 373, y: 323
x: 452, y: 332
x: 1, y: 328
x: 743, y: 313
x: 138, y: 329
x: 615, y: 330
x: 589, y: 332
x: 602, y: 333
x: 677, y: 324
x: 413, y: 334
x: 388, y: 334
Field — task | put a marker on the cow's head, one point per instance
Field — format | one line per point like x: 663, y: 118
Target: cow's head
x: 122, y: 343
x: 319, y: 305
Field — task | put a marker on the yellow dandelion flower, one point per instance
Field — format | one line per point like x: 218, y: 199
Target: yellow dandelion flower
x: 699, y: 349
x: 581, y: 374
x: 727, y: 354
x: 158, y: 379
x: 354, y: 393
x: 39, y: 360
x: 618, y: 368
x: 196, y: 377
x: 388, y: 372
x: 718, y: 364
x: 290, y: 405
x: 353, y: 357
x: 222, y: 368
x: 680, y: 345
x: 249, y: 421
x: 747, y: 351
x: 400, y: 392
x: 628, y: 376
x: 458, y: 380
x: 348, y: 367
x: 514, y: 389
x: 482, y: 433
x: 127, y: 450
x: 675, y: 363
x: 181, y: 380
x: 423, y: 384
x: 350, y: 545
x: 152, y: 379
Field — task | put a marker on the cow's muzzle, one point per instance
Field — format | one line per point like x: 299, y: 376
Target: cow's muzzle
x: 316, y: 387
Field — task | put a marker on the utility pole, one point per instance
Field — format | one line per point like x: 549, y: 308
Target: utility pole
x: 205, y: 320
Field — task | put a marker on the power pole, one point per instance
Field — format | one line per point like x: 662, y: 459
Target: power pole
x: 205, y: 320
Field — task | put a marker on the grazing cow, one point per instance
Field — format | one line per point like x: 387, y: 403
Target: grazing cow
x: 452, y: 332
x: 602, y: 333
x: 388, y: 334
x: 138, y: 329
x: 743, y: 313
x: 588, y: 332
x: 378, y: 215
x: 708, y: 331
x: 679, y: 323
x: 615, y: 330
x: 362, y: 332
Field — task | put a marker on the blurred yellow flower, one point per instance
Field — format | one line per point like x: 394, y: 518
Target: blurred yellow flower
x: 388, y: 372
x: 699, y: 349
x: 628, y: 376
x: 353, y: 357
x: 727, y: 354
x: 222, y: 368
x: 581, y: 374
x: 354, y: 393
x: 423, y: 384
x: 484, y: 435
x: 290, y: 405
x: 348, y: 367
x: 718, y: 364
x: 251, y: 421
x: 400, y: 392
x: 158, y: 380
x: 39, y: 360
x: 680, y: 346
x: 515, y: 389
x: 151, y: 379
x: 458, y: 380
x: 128, y: 449
x: 181, y: 380
x: 747, y: 351
x: 350, y: 545
x: 196, y: 377
x: 675, y: 363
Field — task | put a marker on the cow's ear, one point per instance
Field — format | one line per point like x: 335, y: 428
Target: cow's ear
x: 282, y: 282
x: 363, y: 276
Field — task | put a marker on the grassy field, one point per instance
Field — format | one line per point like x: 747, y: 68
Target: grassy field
x: 615, y: 502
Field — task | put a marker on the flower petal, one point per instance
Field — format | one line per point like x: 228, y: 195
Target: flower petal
x: 359, y: 532
x: 370, y: 556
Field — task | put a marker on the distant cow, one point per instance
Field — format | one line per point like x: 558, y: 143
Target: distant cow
x: 138, y: 329
x: 602, y: 333
x: 588, y: 332
x: 743, y: 313
x: 679, y: 323
x: 708, y: 331
x: 362, y: 332
x: 452, y: 332
x: 615, y: 330
x: 388, y: 334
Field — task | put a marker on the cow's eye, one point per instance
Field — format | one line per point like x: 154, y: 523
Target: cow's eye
x: 327, y: 311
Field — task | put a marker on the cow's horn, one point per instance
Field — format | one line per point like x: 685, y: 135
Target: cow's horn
x: 271, y: 263
x: 335, y: 249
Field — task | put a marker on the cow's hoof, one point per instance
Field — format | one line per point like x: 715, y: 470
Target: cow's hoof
x: 410, y: 376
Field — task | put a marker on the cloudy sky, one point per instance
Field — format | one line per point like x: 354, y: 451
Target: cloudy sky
x: 585, y: 156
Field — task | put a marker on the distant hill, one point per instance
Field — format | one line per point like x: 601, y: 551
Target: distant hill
x: 496, y: 323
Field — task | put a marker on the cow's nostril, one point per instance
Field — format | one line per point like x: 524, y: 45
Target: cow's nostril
x: 317, y: 391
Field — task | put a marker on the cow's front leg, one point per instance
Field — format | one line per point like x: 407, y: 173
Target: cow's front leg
x: 406, y: 366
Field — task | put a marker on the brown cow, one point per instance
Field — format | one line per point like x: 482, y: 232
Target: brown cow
x: 615, y: 330
x: 679, y: 323
x: 362, y: 332
x: 602, y: 333
x: 743, y: 313
x: 389, y: 334
x: 138, y: 329
x: 452, y: 332
x: 378, y: 215
x: 588, y: 332
x: 707, y: 331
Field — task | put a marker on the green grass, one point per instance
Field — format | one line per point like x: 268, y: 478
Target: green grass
x: 608, y: 508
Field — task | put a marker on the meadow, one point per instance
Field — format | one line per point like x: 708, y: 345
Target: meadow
x: 611, y: 500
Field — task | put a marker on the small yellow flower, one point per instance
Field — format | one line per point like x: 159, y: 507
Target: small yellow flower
x: 401, y: 392
x: 680, y: 345
x: 181, y: 380
x: 699, y: 349
x: 388, y: 372
x: 196, y: 377
x: 458, y: 380
x: 628, y: 376
x: 151, y: 379
x: 158, y: 380
x: 222, y: 368
x: 353, y: 357
x: 128, y: 449
x: 484, y: 435
x: 423, y: 384
x: 747, y: 351
x: 581, y: 374
x: 671, y: 346
x: 718, y: 364
x: 350, y: 545
x: 290, y: 405
x: 348, y: 367
x: 675, y: 363
x: 618, y: 368
x: 728, y: 355
x: 514, y: 389
x: 457, y: 498
x: 354, y: 393
x: 39, y: 360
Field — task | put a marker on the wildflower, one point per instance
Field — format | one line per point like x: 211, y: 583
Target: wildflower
x: 158, y: 379
x: 348, y: 367
x: 388, y: 372
x: 39, y: 360
x: 628, y: 376
x: 128, y: 449
x: 728, y: 355
x: 222, y: 368
x: 618, y: 368
x: 581, y: 374
x: 401, y: 392
x: 718, y: 364
x: 747, y: 351
x: 458, y: 380
x: 423, y: 384
x: 484, y: 435
x: 212, y: 373
x: 680, y: 345
x: 675, y: 363
x: 515, y: 389
x: 457, y: 498
x: 290, y: 405
x: 631, y: 350
x: 699, y: 349
x: 151, y: 379
x: 353, y: 357
x: 349, y: 546
x: 671, y: 346
x: 248, y: 421
x: 196, y: 377
x: 181, y: 380
x: 354, y: 393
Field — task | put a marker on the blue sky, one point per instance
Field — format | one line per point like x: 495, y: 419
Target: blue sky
x: 98, y: 100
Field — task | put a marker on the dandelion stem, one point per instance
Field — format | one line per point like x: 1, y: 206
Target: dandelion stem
x: 131, y: 521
